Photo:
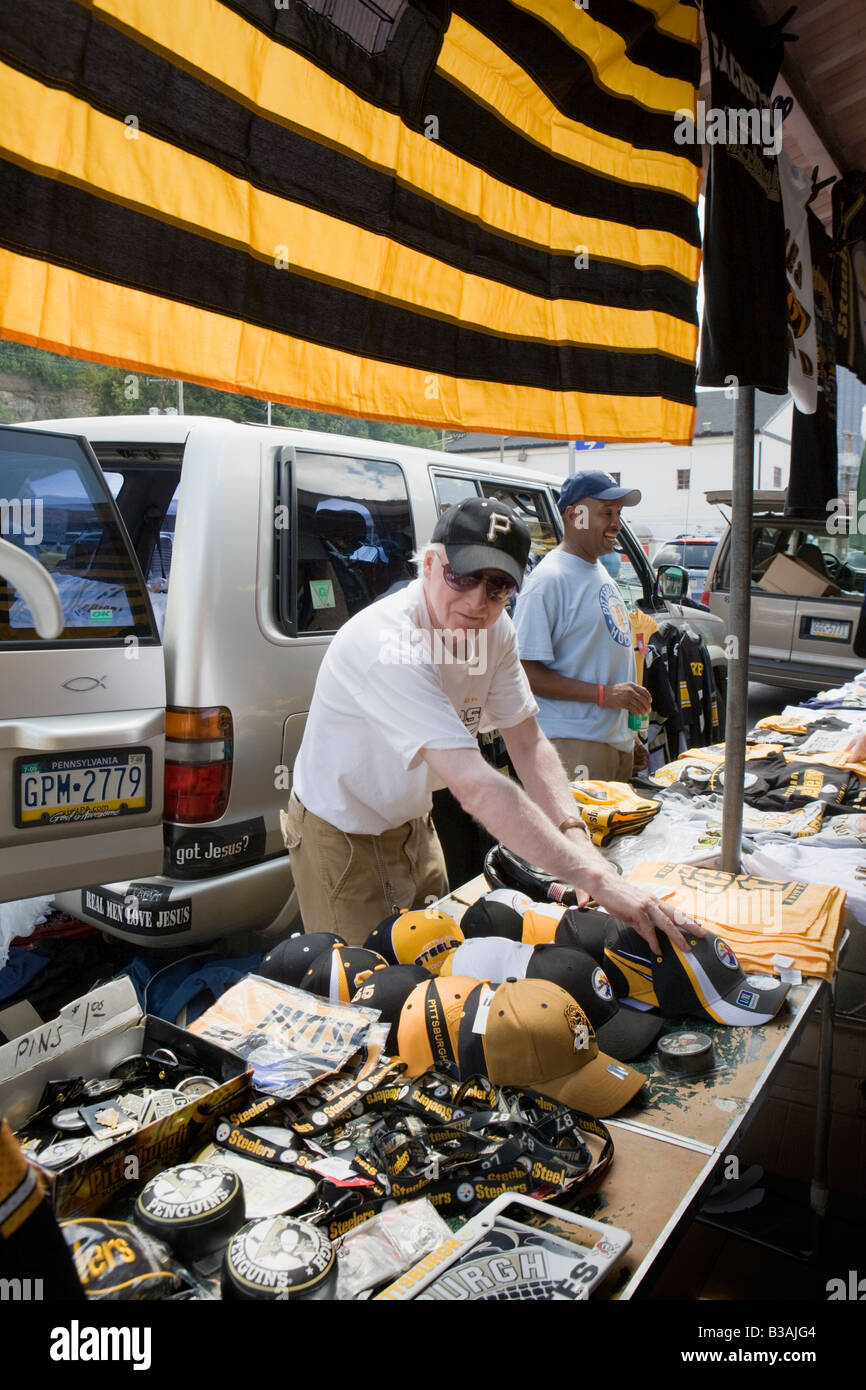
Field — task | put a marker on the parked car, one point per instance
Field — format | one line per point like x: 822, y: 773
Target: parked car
x: 800, y: 639
x: 146, y: 753
x: 694, y: 554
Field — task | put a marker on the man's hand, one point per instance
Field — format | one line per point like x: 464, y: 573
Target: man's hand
x: 856, y: 749
x: 635, y: 698
x: 641, y: 756
x: 645, y: 913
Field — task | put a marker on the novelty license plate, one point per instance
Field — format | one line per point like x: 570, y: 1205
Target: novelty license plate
x: 835, y: 631
x: 64, y: 788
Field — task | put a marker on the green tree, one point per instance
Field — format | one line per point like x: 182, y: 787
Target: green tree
x: 121, y: 391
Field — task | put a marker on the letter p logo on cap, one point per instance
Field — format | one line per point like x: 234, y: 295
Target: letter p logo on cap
x: 500, y: 525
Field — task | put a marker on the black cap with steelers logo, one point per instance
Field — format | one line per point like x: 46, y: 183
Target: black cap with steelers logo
x: 623, y: 1033
x: 337, y: 974
x: 707, y: 981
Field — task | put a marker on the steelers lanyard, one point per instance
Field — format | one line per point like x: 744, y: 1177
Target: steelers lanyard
x: 457, y: 1145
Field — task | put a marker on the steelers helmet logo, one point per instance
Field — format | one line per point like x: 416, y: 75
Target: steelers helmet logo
x: 725, y: 954
x: 601, y: 984
x: 465, y: 1192
x: 223, y: 1131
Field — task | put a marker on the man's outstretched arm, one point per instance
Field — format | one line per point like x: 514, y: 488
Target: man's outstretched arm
x: 511, y: 816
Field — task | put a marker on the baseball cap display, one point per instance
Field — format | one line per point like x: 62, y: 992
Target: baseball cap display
x: 432, y: 1020
x: 594, y: 483
x: 623, y: 1033
x: 492, y: 916
x: 707, y: 981
x: 415, y: 938
x: 526, y: 1033
x: 387, y: 990
x: 537, y: 1037
x: 492, y: 958
x: 291, y: 959
x: 336, y: 974
x: 483, y: 533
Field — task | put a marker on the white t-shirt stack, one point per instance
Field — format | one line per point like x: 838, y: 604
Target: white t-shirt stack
x: 389, y: 686
x: 572, y: 617
x: 841, y: 868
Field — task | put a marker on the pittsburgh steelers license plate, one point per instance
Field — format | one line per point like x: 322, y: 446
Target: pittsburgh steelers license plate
x: 64, y: 788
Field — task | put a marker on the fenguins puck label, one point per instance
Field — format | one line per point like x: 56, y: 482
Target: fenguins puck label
x: 277, y: 1254
x: 189, y: 1191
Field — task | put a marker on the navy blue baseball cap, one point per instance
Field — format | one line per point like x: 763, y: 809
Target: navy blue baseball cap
x: 595, y: 484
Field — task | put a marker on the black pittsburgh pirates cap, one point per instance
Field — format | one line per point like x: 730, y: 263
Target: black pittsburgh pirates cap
x: 482, y: 533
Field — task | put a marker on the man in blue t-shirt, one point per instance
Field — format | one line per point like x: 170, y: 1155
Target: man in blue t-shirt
x: 575, y: 637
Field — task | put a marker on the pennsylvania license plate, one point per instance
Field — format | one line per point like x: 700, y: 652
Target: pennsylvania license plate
x: 62, y: 789
x: 825, y: 627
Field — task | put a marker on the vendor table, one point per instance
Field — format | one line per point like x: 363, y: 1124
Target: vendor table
x: 672, y: 1137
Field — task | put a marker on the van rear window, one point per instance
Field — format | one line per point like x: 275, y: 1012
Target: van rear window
x: 56, y: 507
x: 350, y: 543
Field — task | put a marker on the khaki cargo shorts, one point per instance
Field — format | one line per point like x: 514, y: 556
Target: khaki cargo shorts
x: 349, y: 883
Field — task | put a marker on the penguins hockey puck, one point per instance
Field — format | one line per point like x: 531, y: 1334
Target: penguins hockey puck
x: 102, y: 1087
x: 58, y: 1155
x: 194, y: 1207
x: 194, y: 1087
x: 685, y: 1053
x: 70, y: 1121
x: 279, y: 1258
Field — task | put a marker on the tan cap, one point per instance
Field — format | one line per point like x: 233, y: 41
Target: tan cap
x: 537, y: 1037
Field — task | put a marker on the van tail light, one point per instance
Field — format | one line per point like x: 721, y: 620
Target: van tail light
x: 198, y: 763
x: 705, y: 598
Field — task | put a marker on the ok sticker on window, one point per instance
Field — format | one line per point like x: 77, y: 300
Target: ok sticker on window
x: 322, y: 593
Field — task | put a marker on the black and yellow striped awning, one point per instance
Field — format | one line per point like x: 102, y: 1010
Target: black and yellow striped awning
x: 469, y: 214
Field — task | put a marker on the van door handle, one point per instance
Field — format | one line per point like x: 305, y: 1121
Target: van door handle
x: 36, y: 586
x: 71, y: 732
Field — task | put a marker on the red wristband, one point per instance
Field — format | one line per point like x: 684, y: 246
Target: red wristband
x: 601, y: 695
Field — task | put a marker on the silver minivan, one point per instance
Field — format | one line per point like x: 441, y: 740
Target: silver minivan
x: 801, y: 639
x: 203, y: 566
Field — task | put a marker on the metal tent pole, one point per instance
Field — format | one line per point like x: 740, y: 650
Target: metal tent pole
x: 738, y: 627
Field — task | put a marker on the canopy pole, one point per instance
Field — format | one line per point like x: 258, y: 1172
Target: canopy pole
x: 736, y: 712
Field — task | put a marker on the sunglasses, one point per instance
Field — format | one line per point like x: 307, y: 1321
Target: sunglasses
x: 498, y: 590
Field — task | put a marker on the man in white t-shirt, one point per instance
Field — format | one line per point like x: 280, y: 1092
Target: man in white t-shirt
x: 403, y: 690
x: 575, y: 637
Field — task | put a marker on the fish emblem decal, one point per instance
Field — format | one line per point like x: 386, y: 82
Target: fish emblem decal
x: 83, y: 684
